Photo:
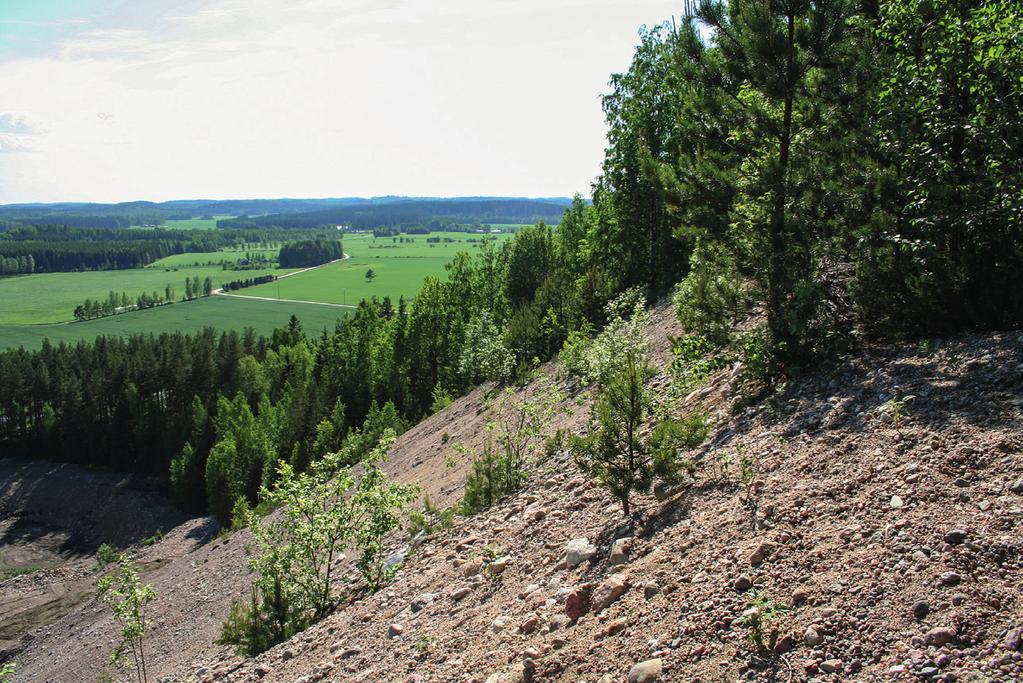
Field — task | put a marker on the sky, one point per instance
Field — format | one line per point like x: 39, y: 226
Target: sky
x: 117, y: 100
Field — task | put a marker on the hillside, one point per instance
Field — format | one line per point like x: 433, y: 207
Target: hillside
x: 891, y: 530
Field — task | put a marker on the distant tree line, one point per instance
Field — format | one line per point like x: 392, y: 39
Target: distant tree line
x: 305, y: 253
x: 249, y: 282
x: 49, y: 249
x: 115, y: 304
x: 411, y: 212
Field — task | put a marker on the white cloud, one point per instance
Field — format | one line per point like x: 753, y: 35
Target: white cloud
x: 250, y: 98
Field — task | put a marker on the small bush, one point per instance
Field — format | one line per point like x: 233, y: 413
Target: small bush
x: 669, y: 438
x: 105, y: 555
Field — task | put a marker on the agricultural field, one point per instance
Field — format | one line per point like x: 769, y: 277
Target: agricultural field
x: 188, y: 317
x: 52, y: 297
x: 399, y: 268
x: 203, y: 258
x: 195, y: 223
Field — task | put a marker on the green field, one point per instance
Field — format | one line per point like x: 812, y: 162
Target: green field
x: 195, y: 223
x: 399, y: 268
x: 52, y: 297
x: 30, y: 305
x: 190, y: 316
x: 207, y: 257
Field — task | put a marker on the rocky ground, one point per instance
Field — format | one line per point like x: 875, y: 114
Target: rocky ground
x: 880, y: 540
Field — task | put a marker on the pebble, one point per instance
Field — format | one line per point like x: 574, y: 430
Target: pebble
x: 579, y: 550
x: 812, y: 638
x: 921, y: 609
x: 647, y: 671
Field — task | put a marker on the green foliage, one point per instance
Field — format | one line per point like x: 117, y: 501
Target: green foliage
x: 484, y: 356
x: 430, y: 519
x: 516, y: 439
x: 671, y: 437
x: 322, y: 511
x: 944, y: 247
x: 596, y: 360
x: 709, y: 301
x: 105, y: 555
x: 154, y: 539
x: 441, y: 400
x: 7, y: 671
x: 128, y: 599
x: 759, y: 618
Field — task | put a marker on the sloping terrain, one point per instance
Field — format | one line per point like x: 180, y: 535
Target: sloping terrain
x: 887, y: 536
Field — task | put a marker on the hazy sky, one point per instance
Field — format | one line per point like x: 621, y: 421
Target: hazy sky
x: 111, y: 100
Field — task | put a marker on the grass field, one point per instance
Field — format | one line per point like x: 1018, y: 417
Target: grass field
x: 190, y: 316
x: 31, y: 304
x: 52, y: 297
x: 195, y: 223
x: 207, y: 257
x: 399, y: 267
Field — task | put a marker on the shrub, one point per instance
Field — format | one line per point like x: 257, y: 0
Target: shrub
x: 323, y: 510
x: 516, y: 437
x: 672, y: 436
x: 128, y: 598
x: 613, y: 452
x: 709, y: 300
x: 105, y: 555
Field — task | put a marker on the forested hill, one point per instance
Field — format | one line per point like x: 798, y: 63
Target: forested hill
x: 432, y: 212
x: 308, y: 212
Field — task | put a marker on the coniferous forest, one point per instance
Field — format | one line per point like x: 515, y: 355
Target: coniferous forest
x: 841, y: 171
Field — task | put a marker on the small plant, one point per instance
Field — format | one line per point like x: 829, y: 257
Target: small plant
x: 924, y: 347
x: 154, y: 539
x: 759, y: 618
x: 7, y: 672
x: 423, y: 644
x: 750, y: 484
x: 128, y: 598
x: 430, y: 519
x: 451, y: 462
x: 445, y: 437
x: 441, y: 399
x: 895, y: 408
x: 105, y: 555
x: 724, y: 465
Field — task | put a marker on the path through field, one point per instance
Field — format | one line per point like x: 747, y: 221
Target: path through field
x: 220, y: 291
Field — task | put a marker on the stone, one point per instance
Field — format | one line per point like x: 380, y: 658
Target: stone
x: 529, y: 624
x: 500, y: 623
x: 615, y: 626
x: 811, y: 637
x: 349, y: 653
x: 784, y: 644
x: 287, y: 654
x: 921, y: 609
x: 620, y: 550
x: 612, y: 588
x: 578, y: 603
x: 499, y: 565
x: 579, y: 550
x: 472, y: 567
x: 1017, y: 487
x: 460, y: 593
x: 895, y: 503
x: 760, y: 554
x: 395, y: 630
x: 830, y: 666
x: 647, y: 671
x: 421, y: 601
x: 955, y: 536
x: 799, y: 596
x: 950, y: 579
x: 650, y: 589
x: 940, y: 635
x: 742, y: 584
